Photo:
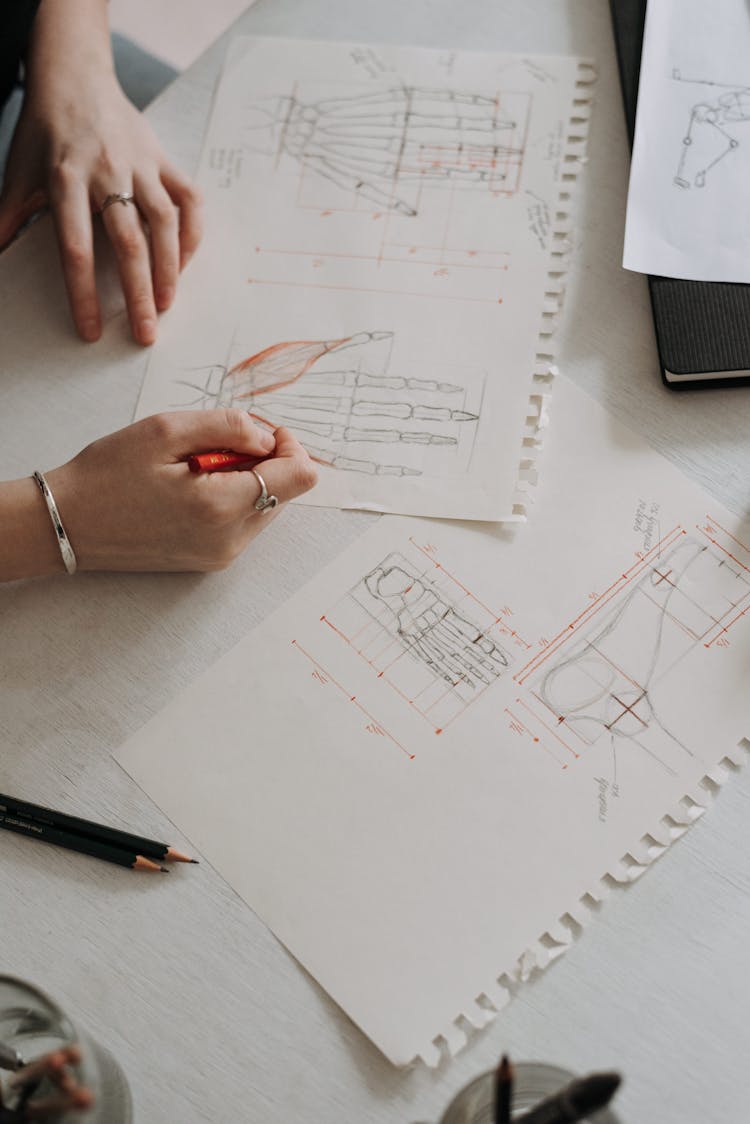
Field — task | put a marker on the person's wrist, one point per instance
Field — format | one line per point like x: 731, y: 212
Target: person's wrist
x: 28, y: 546
x: 71, y: 503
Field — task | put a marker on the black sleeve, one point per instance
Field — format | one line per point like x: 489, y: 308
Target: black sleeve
x: 15, y: 27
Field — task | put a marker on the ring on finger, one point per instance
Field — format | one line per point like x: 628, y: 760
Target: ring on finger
x: 123, y: 197
x: 264, y: 502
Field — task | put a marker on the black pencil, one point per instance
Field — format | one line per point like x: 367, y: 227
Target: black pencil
x: 44, y: 834
x: 504, y: 1091
x: 134, y: 844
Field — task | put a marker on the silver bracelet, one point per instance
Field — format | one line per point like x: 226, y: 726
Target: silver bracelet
x: 68, y: 555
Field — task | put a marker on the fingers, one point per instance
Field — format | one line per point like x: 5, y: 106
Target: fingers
x: 72, y: 216
x: 289, y: 473
x: 123, y: 225
x: 157, y: 209
x: 200, y: 431
x: 189, y: 202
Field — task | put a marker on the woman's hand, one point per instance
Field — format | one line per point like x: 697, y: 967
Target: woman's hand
x: 129, y: 501
x: 79, y: 140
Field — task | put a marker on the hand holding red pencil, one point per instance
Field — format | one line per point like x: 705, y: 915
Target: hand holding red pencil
x: 129, y: 501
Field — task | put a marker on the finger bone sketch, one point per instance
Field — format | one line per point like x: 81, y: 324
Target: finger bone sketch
x: 424, y: 634
x: 608, y: 684
x: 383, y: 144
x: 338, y: 396
x: 710, y: 135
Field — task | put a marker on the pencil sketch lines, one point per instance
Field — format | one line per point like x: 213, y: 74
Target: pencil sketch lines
x: 341, y: 399
x: 609, y: 680
x: 384, y: 144
x: 710, y: 134
x: 422, y: 633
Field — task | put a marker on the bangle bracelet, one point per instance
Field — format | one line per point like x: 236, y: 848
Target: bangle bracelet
x: 68, y: 555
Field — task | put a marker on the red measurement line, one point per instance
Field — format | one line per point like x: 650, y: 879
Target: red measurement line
x: 728, y: 533
x: 603, y: 599
x: 338, y: 631
x: 352, y: 698
x: 548, y: 728
x: 723, y: 549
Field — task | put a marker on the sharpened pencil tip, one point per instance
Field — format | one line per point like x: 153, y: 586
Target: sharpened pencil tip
x: 196, y: 861
x: 164, y: 869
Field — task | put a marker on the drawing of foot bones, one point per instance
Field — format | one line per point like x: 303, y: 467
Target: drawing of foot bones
x: 613, y: 681
x: 422, y: 620
x: 376, y: 144
x: 709, y: 137
x: 339, y: 399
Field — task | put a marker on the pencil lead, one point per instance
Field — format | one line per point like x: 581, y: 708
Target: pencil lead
x: 197, y: 861
x: 164, y: 869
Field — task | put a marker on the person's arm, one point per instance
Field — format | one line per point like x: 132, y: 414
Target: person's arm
x: 80, y: 140
x: 129, y: 502
x: 27, y: 541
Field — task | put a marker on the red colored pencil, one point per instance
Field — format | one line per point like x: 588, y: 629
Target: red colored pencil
x: 222, y: 461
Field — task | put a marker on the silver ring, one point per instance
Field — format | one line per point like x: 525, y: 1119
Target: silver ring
x: 264, y: 502
x: 123, y: 197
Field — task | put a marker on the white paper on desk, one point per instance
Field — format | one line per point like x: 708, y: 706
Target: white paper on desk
x: 687, y: 200
x: 386, y: 251
x: 429, y: 756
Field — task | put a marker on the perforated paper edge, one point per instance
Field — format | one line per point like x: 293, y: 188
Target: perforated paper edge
x: 561, y: 934
x: 572, y: 160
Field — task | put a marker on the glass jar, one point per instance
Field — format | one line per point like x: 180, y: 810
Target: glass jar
x: 32, y: 1024
x: 533, y: 1082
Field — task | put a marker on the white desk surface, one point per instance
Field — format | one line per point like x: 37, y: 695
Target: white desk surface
x: 212, y: 1019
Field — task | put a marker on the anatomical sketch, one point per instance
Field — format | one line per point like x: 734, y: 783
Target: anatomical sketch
x: 383, y: 145
x: 346, y: 406
x: 712, y: 129
x: 424, y: 634
x: 607, y: 681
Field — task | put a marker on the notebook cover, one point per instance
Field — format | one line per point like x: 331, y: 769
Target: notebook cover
x: 701, y: 326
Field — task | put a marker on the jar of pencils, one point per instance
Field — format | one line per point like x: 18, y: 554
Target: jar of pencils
x: 535, y: 1086
x: 50, y: 1068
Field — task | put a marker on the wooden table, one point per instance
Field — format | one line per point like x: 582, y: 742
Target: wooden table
x: 212, y: 1019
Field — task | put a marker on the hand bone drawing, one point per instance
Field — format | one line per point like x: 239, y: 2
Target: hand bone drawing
x: 337, y: 395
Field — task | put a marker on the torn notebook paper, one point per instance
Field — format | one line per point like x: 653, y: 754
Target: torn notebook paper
x: 387, y: 243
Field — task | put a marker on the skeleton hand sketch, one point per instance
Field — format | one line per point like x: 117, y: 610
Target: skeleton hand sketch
x: 431, y: 629
x: 371, y: 143
x: 710, y: 135
x: 336, y: 394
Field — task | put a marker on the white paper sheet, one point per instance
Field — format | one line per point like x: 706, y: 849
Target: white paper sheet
x: 435, y: 750
x: 386, y: 250
x: 687, y: 201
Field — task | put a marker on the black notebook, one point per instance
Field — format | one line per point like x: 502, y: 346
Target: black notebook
x: 702, y: 327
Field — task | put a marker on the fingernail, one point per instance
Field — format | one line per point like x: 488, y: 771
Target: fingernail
x: 165, y: 297
x: 90, y: 330
x: 267, y: 441
x: 147, y: 331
